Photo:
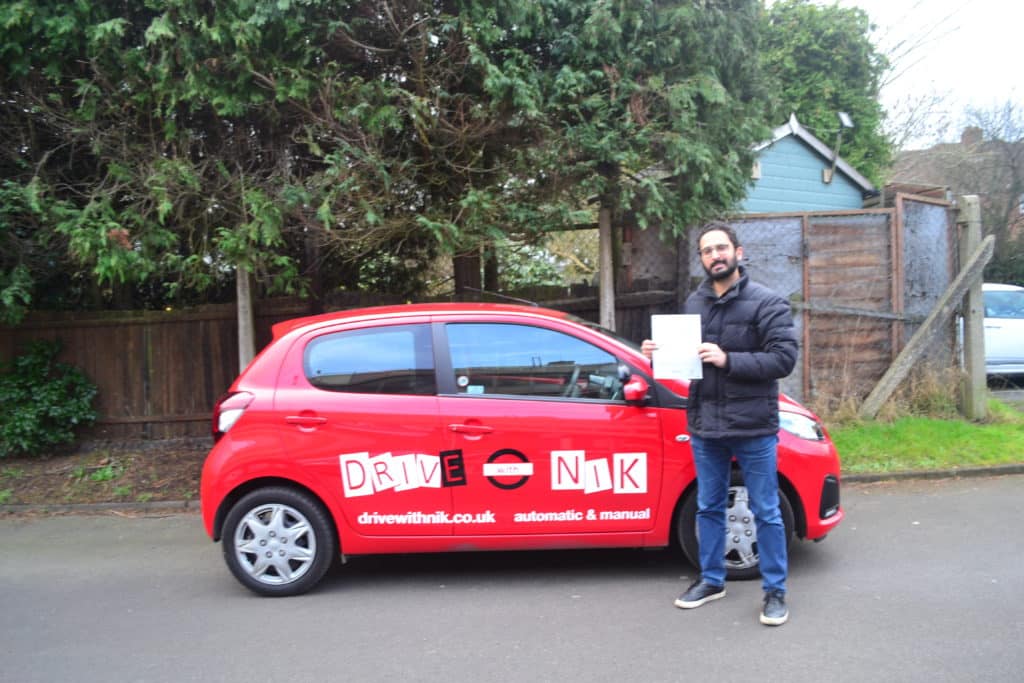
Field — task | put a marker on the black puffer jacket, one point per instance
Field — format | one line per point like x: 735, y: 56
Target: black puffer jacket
x: 754, y: 327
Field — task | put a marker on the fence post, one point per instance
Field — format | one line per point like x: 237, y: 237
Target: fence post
x: 246, y: 323
x: 606, y: 270
x: 974, y: 392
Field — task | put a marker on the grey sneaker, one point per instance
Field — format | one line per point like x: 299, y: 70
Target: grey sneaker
x: 699, y: 593
x: 774, y: 612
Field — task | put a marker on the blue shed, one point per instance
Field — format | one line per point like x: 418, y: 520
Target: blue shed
x: 797, y: 172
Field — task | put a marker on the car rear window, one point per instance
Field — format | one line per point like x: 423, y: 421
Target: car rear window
x: 398, y: 359
x: 1004, y: 304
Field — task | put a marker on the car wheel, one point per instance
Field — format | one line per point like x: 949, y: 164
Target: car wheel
x: 278, y: 541
x: 741, y: 557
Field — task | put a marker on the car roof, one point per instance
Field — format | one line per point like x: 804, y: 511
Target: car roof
x: 399, y: 310
x: 996, y: 287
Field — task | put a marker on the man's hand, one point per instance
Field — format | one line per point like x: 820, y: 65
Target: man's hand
x: 713, y: 354
x: 648, y: 347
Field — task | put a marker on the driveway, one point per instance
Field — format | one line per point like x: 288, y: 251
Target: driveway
x: 1013, y: 397
x: 1009, y: 389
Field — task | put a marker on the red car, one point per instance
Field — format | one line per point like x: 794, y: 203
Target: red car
x: 449, y: 427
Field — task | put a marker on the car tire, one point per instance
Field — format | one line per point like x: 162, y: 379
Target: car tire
x: 278, y: 541
x: 741, y: 558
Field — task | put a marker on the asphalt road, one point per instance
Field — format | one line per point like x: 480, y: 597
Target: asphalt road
x: 924, y: 581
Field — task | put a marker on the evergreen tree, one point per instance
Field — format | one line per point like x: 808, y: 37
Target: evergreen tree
x: 823, y: 62
x: 156, y: 149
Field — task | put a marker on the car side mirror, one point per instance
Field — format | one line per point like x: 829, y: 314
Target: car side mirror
x: 635, y: 390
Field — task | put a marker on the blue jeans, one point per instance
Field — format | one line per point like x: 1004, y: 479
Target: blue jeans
x: 756, y: 457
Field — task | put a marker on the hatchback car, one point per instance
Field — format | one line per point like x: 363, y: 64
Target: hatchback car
x: 1004, y: 329
x: 453, y: 427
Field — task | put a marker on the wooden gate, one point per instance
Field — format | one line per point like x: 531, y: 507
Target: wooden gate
x: 852, y: 302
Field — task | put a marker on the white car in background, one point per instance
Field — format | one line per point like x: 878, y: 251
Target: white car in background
x: 1004, y: 329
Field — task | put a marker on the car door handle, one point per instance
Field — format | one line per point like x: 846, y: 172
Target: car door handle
x: 305, y: 420
x: 474, y: 430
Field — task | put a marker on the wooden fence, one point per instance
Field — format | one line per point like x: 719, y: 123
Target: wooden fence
x: 159, y: 373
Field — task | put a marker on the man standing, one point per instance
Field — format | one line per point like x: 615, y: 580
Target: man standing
x: 748, y: 344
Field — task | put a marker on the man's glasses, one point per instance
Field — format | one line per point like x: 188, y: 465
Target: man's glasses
x: 712, y: 248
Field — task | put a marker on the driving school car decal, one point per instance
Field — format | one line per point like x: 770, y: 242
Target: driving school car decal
x: 363, y: 474
x: 413, y: 517
x: 574, y: 515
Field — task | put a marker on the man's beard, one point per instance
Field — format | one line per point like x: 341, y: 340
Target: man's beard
x: 730, y: 267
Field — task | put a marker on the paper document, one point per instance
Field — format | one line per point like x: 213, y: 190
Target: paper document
x: 677, y: 337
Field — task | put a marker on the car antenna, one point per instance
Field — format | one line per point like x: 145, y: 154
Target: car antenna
x: 502, y: 296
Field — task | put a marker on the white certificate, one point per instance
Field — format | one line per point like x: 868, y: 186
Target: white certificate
x: 677, y: 337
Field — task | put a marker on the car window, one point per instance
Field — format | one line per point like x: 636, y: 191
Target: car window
x: 523, y: 360
x: 384, y: 360
x: 1006, y: 304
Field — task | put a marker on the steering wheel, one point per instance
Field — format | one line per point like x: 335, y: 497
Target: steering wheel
x: 570, y: 386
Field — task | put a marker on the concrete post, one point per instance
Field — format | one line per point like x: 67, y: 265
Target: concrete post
x: 974, y: 396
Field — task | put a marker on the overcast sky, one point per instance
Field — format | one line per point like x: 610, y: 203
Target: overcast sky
x: 970, y: 51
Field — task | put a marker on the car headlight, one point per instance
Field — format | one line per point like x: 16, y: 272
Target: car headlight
x: 801, y: 426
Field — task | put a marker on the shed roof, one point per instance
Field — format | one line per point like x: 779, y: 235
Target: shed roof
x: 793, y: 127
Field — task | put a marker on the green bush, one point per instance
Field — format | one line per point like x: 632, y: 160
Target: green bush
x: 43, y: 401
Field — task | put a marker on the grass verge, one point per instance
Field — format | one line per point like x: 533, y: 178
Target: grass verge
x: 925, y: 443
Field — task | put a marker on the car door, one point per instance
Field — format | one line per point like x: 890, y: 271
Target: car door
x: 363, y: 413
x: 549, y: 445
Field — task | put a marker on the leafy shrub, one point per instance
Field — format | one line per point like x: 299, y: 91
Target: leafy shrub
x: 43, y: 401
